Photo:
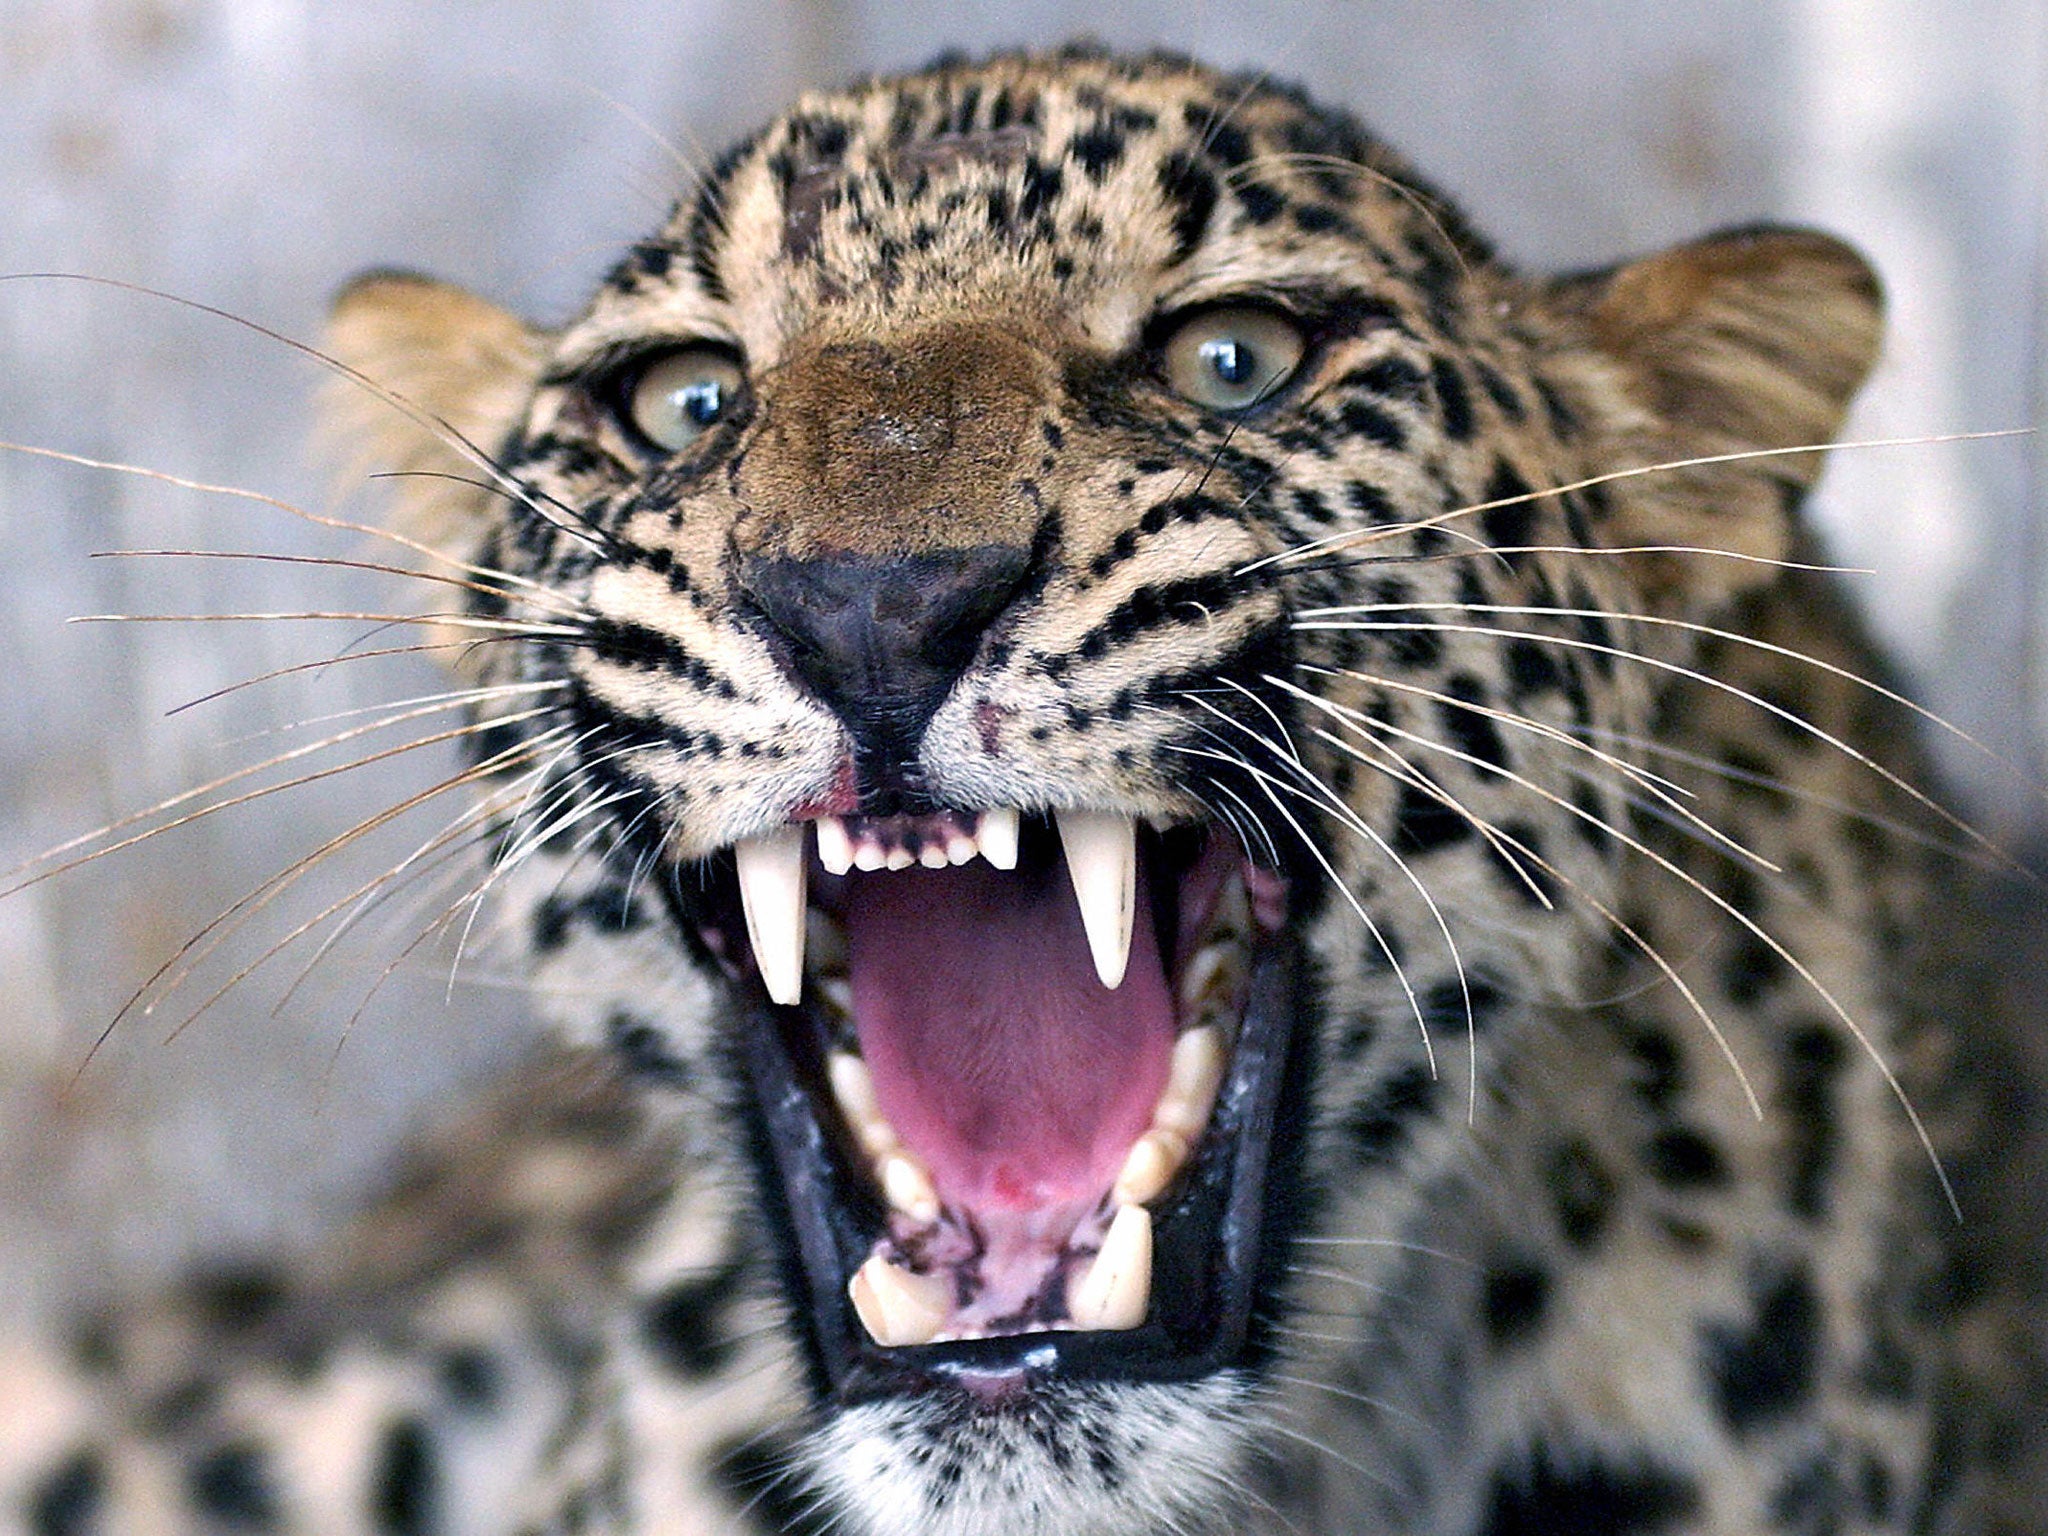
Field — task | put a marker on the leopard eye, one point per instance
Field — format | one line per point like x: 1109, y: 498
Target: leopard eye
x: 1231, y: 359
x: 681, y: 395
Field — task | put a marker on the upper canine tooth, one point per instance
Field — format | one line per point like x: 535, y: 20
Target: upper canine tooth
x: 998, y: 835
x: 772, y: 894
x: 895, y: 1306
x: 835, y: 845
x: 1102, y: 861
x: 1116, y: 1291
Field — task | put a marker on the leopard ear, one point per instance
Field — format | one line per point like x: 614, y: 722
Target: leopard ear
x: 461, y: 369
x: 1751, y: 339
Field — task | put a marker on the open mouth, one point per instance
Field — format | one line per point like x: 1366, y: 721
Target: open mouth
x: 1020, y: 1076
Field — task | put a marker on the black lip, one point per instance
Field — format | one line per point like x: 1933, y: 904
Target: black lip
x: 1209, y: 1241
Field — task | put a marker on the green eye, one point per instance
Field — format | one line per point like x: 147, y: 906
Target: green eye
x: 1231, y: 359
x: 681, y: 395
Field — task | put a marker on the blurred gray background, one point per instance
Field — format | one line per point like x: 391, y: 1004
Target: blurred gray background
x: 252, y: 154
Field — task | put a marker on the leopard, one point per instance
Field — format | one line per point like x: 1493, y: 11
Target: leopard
x: 1204, y: 862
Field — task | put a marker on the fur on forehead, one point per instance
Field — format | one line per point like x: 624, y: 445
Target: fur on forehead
x: 1098, y: 187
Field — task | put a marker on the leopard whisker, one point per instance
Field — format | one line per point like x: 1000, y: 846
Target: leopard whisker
x: 562, y: 604
x: 426, y: 420
x: 22, y: 879
x: 1609, y: 477
x: 173, y: 973
x: 1266, y: 783
x: 1659, y: 788
x: 1657, y: 663
x: 1749, y: 924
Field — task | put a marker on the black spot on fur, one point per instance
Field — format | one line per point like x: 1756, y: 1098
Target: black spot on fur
x: 756, y: 1474
x: 233, y: 1485
x: 1379, y: 1124
x: 1752, y: 968
x: 1453, y: 400
x: 1814, y: 1058
x: 1359, y: 418
x: 686, y: 1327
x: 1582, y: 1192
x: 1679, y: 1158
x: 1763, y: 1370
x: 1190, y: 192
x: 472, y: 1378
x: 1659, y: 1065
x: 1512, y: 526
x: 1471, y: 731
x: 1812, y: 1500
x: 644, y: 1050
x: 67, y: 1502
x: 1588, y: 1494
x: 1513, y: 1302
x: 1424, y: 823
x: 405, y: 1486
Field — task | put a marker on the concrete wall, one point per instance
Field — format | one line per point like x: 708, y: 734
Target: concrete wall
x: 251, y: 154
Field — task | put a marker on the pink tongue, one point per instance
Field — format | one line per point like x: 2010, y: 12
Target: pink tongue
x: 997, y: 1054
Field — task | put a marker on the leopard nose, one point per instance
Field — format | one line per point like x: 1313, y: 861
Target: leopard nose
x: 881, y: 640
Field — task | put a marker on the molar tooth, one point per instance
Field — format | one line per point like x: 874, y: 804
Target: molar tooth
x: 998, y: 837
x: 1102, y: 862
x: 835, y: 845
x: 1149, y: 1166
x: 1117, y: 1289
x: 772, y: 895
x: 853, y: 1089
x: 1192, y: 1077
x: 906, y: 1186
x: 895, y: 1306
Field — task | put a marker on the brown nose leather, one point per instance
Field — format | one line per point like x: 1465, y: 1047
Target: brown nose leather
x: 905, y: 445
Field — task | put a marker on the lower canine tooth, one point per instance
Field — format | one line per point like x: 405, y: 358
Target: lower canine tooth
x: 895, y: 1306
x: 998, y: 837
x: 907, y: 1187
x: 771, y: 869
x: 835, y: 846
x: 1117, y: 1289
x: 1102, y: 862
x: 1149, y: 1167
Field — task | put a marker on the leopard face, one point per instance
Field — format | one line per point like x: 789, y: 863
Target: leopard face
x: 1070, y: 660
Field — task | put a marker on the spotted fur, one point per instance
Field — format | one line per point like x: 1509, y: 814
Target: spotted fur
x: 1600, y: 1202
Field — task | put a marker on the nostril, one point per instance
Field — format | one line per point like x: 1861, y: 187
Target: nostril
x: 882, y: 639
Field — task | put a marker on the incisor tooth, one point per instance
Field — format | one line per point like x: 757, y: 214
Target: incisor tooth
x: 907, y: 1187
x: 1117, y: 1289
x: 869, y: 857
x: 895, y: 1306
x: 1149, y: 1166
x: 1192, y: 1076
x: 835, y: 845
x: 772, y: 894
x: 998, y: 834
x: 933, y: 856
x: 1102, y: 862
x: 899, y: 858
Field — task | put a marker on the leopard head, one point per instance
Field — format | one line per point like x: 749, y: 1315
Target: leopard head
x: 1069, y: 588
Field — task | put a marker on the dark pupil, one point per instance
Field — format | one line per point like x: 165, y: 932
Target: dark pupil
x: 1230, y: 360
x: 702, y: 402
